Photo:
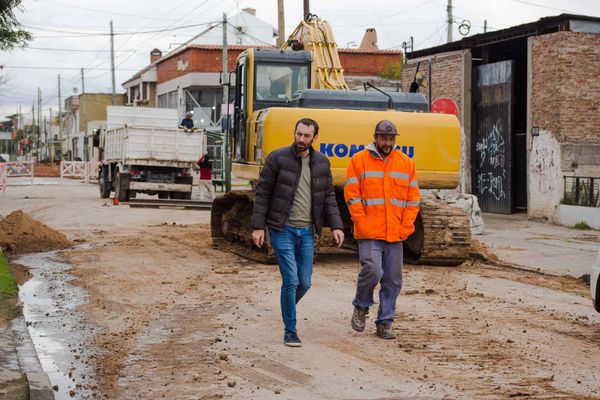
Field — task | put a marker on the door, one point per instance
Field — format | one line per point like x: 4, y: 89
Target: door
x: 492, y: 147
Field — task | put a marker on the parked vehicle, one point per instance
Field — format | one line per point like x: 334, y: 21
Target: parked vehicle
x: 595, y: 282
x: 147, y: 156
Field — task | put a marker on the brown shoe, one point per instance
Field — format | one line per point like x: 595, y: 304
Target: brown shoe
x: 358, y: 318
x: 385, y: 331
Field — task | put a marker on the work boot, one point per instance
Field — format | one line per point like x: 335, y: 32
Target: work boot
x: 385, y: 331
x: 358, y: 318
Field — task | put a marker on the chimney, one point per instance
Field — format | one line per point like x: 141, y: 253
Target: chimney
x: 155, y: 55
x: 250, y: 10
x: 369, y: 41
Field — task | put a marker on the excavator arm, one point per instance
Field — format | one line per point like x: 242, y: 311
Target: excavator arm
x: 314, y: 35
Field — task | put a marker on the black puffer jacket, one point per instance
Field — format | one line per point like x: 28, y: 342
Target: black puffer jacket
x: 277, y: 186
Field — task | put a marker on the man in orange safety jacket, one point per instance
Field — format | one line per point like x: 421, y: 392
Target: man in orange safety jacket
x: 382, y: 195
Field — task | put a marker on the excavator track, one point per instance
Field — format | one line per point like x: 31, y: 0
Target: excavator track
x: 446, y: 234
x: 442, y: 232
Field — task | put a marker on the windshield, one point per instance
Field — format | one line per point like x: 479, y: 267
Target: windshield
x: 278, y: 82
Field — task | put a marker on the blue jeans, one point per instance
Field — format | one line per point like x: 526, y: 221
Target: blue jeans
x: 381, y: 262
x: 294, y: 249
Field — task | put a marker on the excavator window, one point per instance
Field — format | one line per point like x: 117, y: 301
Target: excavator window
x: 278, y: 82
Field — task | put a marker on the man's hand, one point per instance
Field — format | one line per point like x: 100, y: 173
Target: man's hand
x: 338, y: 234
x: 258, y: 237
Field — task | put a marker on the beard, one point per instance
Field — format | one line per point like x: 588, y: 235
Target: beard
x: 386, y: 149
x: 300, y: 147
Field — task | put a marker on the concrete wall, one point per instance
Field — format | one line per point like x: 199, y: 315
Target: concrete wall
x: 564, y: 120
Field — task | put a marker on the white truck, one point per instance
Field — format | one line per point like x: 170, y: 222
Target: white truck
x: 143, y: 151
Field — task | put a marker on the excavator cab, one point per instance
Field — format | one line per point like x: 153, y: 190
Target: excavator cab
x: 265, y: 78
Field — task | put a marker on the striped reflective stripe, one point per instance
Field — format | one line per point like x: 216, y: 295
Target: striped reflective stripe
x: 353, y: 200
x: 373, y: 202
x: 351, y: 180
x: 371, y: 174
x: 413, y: 183
x: 401, y: 203
x: 400, y: 175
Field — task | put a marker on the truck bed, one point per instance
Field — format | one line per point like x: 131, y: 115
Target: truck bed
x: 144, y: 145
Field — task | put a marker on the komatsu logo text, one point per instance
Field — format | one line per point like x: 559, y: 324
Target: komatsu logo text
x: 343, y: 150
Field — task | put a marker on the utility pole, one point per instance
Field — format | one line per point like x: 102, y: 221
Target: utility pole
x: 449, y: 12
x: 306, y: 8
x: 225, y: 83
x: 60, y: 132
x: 112, y: 62
x: 484, y: 25
x: 39, y: 131
x: 32, y: 130
x: 280, y: 24
x: 83, y: 112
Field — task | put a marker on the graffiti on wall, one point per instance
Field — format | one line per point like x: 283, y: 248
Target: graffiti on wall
x: 492, y: 172
x: 545, y: 175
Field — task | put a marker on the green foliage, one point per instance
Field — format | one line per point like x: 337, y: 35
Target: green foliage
x: 582, y: 226
x: 392, y: 72
x: 8, y: 285
x: 11, y: 34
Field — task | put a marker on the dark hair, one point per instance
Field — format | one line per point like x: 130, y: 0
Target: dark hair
x: 308, y: 122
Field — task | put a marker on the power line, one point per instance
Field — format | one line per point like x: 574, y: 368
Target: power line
x: 542, y: 6
x: 90, y: 34
x: 75, y: 50
x: 108, y: 12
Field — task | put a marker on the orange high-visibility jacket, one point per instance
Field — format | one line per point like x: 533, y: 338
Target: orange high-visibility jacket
x: 382, y: 195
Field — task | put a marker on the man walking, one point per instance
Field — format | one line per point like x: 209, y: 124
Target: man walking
x: 294, y: 196
x: 382, y: 194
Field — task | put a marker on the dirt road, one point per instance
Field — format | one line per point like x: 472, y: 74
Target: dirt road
x: 175, y: 318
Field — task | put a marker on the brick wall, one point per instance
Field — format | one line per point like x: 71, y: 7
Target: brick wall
x: 355, y: 62
x: 565, y: 96
x: 195, y: 60
x: 362, y: 63
x: 447, y: 77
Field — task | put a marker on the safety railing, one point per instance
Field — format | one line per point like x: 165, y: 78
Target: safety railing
x: 581, y: 191
x: 88, y: 171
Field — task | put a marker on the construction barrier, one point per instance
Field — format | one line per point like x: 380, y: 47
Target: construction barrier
x: 19, y: 169
x: 2, y: 178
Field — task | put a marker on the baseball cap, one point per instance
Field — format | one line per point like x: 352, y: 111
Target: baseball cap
x: 385, y: 127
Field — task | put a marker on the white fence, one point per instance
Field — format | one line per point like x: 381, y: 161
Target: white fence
x: 87, y: 171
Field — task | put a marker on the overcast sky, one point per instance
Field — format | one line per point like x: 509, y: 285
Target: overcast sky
x: 73, y: 34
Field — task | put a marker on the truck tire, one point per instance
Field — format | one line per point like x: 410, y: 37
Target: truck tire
x: 122, y: 186
x: 103, y: 184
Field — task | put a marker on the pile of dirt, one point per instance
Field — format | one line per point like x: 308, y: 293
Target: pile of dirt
x: 481, y: 251
x: 20, y: 233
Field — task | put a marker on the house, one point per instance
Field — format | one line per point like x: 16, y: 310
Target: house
x: 77, y: 127
x: 528, y: 105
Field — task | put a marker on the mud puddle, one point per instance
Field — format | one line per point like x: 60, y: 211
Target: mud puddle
x: 60, y: 336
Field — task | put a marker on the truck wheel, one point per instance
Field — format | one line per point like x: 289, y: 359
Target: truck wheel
x: 104, y: 185
x: 122, y: 186
x: 163, y: 195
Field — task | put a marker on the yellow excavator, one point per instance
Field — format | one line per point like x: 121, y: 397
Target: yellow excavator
x: 277, y: 87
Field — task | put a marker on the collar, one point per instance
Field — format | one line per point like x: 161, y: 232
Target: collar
x: 297, y: 155
x: 373, y: 150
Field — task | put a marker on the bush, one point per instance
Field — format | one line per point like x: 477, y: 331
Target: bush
x: 582, y: 226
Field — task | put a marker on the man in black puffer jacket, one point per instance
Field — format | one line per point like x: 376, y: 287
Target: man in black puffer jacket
x: 294, y: 196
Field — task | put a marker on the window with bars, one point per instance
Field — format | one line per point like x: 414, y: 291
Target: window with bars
x: 581, y: 191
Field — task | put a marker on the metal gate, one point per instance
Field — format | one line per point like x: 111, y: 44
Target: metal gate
x: 492, y: 141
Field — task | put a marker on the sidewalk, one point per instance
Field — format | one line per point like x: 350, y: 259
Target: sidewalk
x: 552, y: 249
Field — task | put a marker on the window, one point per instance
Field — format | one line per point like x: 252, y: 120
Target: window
x: 277, y: 82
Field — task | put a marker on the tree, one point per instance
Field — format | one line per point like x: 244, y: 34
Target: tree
x: 392, y: 72
x: 11, y: 34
